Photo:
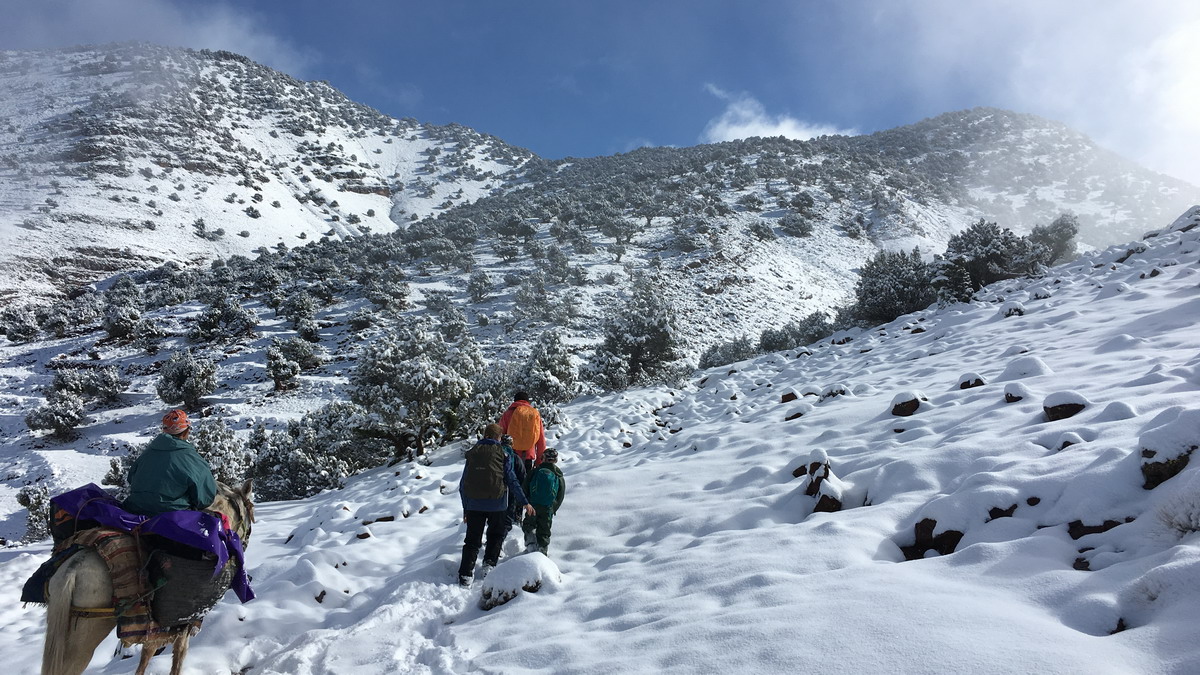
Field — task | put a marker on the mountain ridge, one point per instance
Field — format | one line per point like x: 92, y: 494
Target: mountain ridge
x: 224, y: 127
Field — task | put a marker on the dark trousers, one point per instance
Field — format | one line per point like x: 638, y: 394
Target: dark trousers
x: 495, y: 522
x: 537, y: 528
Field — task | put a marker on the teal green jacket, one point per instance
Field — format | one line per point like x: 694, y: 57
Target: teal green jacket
x: 169, y: 476
x: 562, y: 485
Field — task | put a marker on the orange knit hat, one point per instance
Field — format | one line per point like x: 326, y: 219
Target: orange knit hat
x: 176, y: 422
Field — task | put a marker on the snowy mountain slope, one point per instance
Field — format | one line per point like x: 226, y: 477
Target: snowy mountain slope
x: 687, y: 543
x: 121, y: 157
x: 125, y: 156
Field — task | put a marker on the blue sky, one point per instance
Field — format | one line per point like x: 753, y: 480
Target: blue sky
x: 587, y: 78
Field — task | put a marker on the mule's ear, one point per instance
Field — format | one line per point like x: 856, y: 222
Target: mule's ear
x: 247, y: 488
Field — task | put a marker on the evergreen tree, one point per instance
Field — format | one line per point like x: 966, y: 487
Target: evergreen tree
x: 36, y: 500
x: 738, y: 349
x: 480, y: 287
x: 404, y: 380
x: 315, y: 453
x: 223, y: 451
x: 61, y: 414
x: 1057, y: 239
x: 550, y: 373
x: 644, y: 336
x: 224, y: 318
x: 186, y: 378
x: 891, y: 284
x: 796, y: 333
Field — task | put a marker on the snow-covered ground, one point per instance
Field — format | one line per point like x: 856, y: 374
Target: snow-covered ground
x: 687, y: 544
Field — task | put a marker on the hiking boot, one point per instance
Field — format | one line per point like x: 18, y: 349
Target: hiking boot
x: 464, y: 580
x: 543, y: 551
x: 487, y: 567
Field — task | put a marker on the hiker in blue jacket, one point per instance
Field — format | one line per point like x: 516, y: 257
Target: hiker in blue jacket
x: 514, y: 513
x: 487, y: 482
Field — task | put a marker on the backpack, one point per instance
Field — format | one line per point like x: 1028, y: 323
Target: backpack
x: 543, y: 487
x: 523, y: 426
x: 484, y: 476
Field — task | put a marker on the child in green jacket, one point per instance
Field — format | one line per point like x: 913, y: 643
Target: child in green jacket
x: 545, y: 487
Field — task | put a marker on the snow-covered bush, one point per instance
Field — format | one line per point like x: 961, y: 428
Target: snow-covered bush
x: 407, y: 379
x: 36, y: 500
x: 287, y: 358
x: 550, y: 374
x: 1181, y: 512
x: 1057, y: 240
x: 120, y: 320
x: 315, y: 453
x: 480, y: 286
x: 226, y: 454
x: 223, y: 319
x: 186, y: 378
x: 19, y: 325
x: 102, y: 384
x: 793, y: 334
x: 645, y: 335
x: 738, y: 349
x: 983, y: 254
x: 61, y: 414
x: 892, y: 284
x: 795, y: 225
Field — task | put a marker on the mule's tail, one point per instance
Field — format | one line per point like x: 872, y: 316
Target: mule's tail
x: 58, y: 627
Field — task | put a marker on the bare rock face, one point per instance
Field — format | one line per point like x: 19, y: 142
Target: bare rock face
x: 925, y: 541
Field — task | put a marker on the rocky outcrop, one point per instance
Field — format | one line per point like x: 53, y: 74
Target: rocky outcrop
x: 925, y: 541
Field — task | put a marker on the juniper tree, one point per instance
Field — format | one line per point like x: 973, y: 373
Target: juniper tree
x: 738, y: 349
x: 103, y: 384
x: 186, y: 378
x: 550, y: 374
x: 891, y: 284
x: 795, y: 333
x: 1057, y: 239
x: 644, y: 335
x: 224, y: 318
x: 403, y: 380
x: 315, y: 453
x: 479, y: 287
x: 61, y: 414
x: 225, y: 453
x: 36, y: 500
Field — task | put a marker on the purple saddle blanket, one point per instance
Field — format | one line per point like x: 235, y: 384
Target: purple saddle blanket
x: 198, y: 529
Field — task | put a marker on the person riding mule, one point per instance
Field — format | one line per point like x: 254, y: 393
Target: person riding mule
x: 179, y: 526
x: 80, y: 592
x: 170, y: 475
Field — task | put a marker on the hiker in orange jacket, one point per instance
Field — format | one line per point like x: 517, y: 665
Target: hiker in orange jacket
x: 523, y: 422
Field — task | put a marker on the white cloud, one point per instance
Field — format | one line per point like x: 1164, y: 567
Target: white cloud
x: 1125, y: 73
x: 745, y: 116
x: 61, y: 23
